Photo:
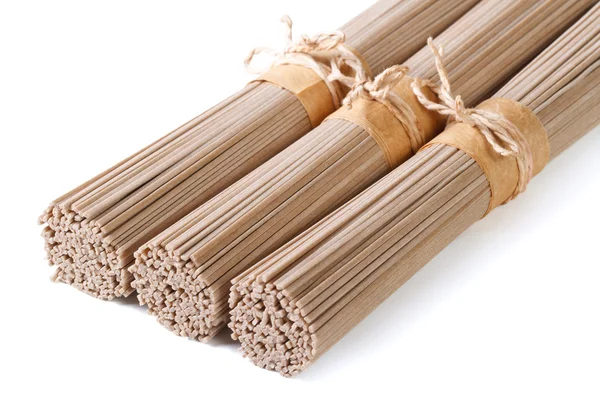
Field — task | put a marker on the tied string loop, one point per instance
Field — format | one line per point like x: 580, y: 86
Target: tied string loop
x: 381, y: 89
x: 327, y: 64
x: 504, y: 137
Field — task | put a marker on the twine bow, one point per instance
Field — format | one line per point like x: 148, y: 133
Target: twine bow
x: 504, y: 137
x: 302, y: 52
x: 380, y: 89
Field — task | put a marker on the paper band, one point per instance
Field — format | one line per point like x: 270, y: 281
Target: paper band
x: 501, y: 171
x: 291, y: 73
x: 306, y: 86
x: 389, y: 133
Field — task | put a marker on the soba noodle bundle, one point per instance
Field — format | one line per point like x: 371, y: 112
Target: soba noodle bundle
x: 184, y: 274
x: 291, y: 307
x: 92, y: 231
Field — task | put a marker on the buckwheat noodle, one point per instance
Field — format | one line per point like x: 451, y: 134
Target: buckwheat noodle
x: 184, y: 274
x: 92, y: 231
x: 291, y: 307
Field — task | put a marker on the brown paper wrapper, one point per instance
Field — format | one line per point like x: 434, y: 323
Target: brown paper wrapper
x: 379, y: 122
x: 306, y: 85
x: 501, y: 171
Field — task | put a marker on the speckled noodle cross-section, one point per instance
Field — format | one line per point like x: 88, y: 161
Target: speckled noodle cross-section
x: 271, y: 331
x: 184, y: 305
x: 82, y: 256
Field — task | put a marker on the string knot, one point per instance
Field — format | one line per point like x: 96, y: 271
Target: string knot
x: 504, y: 137
x: 315, y: 52
x: 380, y: 89
x: 320, y: 42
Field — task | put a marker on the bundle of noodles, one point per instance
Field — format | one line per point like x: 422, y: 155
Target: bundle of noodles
x: 93, y: 231
x: 295, y: 304
x: 184, y: 274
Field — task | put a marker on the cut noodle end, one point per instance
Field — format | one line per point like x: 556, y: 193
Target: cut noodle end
x: 270, y: 329
x: 82, y: 256
x: 182, y: 304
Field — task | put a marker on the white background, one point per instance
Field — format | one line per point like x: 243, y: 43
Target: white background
x: 509, y: 310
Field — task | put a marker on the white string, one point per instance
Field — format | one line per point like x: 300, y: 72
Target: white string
x: 327, y: 66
